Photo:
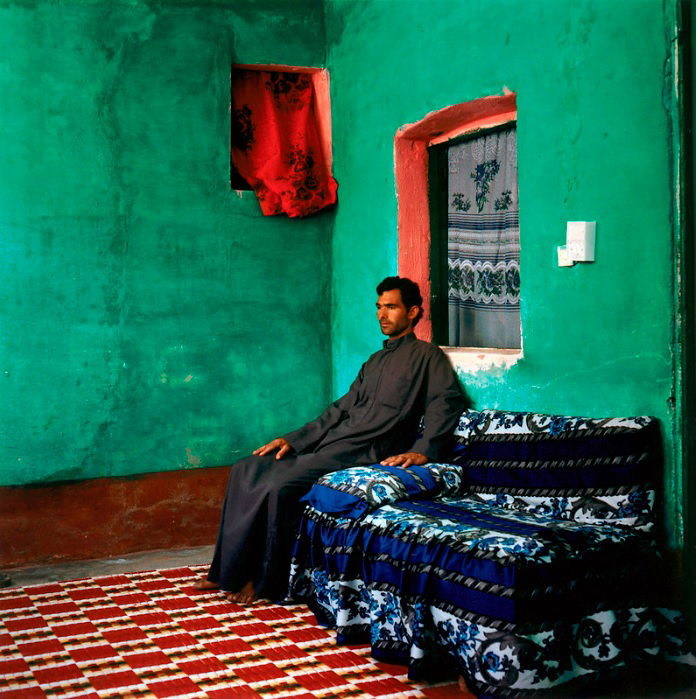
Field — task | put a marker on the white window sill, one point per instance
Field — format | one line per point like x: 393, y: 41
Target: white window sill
x: 471, y: 360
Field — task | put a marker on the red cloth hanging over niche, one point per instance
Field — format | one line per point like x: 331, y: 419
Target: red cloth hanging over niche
x: 276, y: 145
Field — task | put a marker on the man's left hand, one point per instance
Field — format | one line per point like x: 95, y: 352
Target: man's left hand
x: 410, y: 458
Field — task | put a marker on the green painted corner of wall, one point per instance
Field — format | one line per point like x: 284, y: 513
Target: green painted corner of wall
x: 593, y: 144
x: 151, y: 318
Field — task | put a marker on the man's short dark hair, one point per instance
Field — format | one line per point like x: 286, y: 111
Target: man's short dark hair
x: 410, y: 293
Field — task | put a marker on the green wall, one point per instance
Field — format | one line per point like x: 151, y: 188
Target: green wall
x: 592, y: 93
x: 149, y: 316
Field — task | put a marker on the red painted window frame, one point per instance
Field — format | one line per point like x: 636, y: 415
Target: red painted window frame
x: 411, y: 172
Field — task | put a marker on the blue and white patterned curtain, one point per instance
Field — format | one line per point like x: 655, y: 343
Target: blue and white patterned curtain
x: 483, y: 242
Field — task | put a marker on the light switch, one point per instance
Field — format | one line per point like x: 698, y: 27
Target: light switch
x: 580, y: 240
x: 563, y: 257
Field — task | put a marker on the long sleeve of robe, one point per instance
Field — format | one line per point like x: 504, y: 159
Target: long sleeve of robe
x: 379, y: 414
x: 378, y: 417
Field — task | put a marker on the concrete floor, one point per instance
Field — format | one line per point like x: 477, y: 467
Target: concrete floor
x: 131, y: 563
x: 644, y: 687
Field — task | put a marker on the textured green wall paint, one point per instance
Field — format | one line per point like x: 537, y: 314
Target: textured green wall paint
x: 593, y: 144
x: 150, y: 317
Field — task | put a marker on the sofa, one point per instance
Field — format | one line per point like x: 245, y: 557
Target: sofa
x: 527, y: 562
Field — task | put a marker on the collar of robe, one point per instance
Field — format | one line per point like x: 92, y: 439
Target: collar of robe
x: 393, y: 344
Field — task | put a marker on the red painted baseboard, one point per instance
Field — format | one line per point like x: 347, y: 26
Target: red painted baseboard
x: 105, y: 517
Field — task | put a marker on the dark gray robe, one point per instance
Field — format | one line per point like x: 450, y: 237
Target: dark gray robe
x: 378, y: 417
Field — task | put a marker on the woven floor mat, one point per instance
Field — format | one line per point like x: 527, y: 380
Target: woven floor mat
x: 151, y: 634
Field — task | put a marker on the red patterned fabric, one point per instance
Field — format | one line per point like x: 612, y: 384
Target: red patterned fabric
x: 276, y: 145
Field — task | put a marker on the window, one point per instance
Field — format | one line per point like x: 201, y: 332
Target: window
x: 475, y: 239
x: 413, y: 144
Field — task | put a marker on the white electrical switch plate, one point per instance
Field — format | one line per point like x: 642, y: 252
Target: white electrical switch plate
x: 563, y: 257
x: 580, y: 240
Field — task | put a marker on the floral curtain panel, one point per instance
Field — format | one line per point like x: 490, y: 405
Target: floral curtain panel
x: 483, y: 242
x: 276, y: 145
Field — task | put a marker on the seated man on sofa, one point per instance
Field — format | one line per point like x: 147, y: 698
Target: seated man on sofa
x: 377, y: 420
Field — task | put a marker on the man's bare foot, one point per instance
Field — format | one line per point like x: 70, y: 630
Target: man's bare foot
x: 246, y: 595
x: 205, y: 584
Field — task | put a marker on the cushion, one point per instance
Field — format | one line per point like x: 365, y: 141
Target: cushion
x: 582, y: 469
x: 354, y: 491
x: 511, y: 566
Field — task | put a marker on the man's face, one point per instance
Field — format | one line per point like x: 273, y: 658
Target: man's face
x: 394, y: 318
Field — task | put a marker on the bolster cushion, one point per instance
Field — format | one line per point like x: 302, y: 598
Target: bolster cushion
x: 354, y: 491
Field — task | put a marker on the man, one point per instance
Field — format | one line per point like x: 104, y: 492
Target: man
x: 375, y: 421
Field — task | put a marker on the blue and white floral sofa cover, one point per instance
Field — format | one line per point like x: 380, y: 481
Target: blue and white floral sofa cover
x: 528, y: 561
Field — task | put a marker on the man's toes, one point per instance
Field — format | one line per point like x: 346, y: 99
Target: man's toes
x: 246, y: 595
x: 248, y: 598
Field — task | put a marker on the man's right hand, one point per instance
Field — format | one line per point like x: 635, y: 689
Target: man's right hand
x: 281, y: 444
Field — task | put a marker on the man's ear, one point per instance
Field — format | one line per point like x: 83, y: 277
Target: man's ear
x: 413, y: 312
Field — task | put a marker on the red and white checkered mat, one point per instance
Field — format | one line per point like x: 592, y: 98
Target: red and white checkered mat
x: 151, y: 634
